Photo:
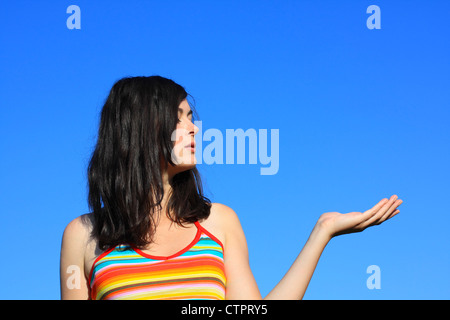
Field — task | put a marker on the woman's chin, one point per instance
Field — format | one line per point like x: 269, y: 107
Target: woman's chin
x: 181, y: 165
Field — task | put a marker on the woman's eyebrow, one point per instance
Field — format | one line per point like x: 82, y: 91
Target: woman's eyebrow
x: 181, y: 111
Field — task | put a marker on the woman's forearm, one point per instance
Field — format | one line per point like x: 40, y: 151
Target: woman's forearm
x: 330, y: 224
x: 293, y: 285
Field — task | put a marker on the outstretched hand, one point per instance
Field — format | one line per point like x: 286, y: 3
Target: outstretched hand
x: 336, y: 223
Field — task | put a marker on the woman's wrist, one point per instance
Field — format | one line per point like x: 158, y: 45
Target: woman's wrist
x: 322, y: 230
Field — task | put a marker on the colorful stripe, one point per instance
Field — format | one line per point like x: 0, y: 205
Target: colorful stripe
x: 196, y: 272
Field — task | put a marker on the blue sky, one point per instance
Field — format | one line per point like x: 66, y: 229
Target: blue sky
x: 362, y: 114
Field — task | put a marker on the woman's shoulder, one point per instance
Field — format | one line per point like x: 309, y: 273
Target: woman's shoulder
x: 221, y: 214
x: 77, y: 234
x: 78, y: 242
x: 79, y: 229
x: 220, y: 221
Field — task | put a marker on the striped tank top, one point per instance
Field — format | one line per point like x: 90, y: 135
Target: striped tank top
x: 196, y: 272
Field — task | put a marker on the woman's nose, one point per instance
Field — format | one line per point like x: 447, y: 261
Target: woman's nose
x: 196, y: 129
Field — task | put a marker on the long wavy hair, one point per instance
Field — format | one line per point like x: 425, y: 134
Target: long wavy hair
x: 125, y: 171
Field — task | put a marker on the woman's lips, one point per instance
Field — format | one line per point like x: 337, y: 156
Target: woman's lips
x: 191, y: 146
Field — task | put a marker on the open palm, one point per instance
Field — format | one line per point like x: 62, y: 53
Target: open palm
x: 341, y: 223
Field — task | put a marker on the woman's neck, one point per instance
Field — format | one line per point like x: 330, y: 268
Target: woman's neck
x: 161, y: 215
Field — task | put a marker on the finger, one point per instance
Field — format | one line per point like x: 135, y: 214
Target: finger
x: 393, y: 214
x: 367, y: 214
x: 390, y: 212
x: 378, y: 214
x: 397, y: 211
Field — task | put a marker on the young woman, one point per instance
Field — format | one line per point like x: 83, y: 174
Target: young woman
x: 152, y: 234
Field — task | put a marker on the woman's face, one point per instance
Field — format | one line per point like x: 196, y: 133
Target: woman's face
x: 183, y: 153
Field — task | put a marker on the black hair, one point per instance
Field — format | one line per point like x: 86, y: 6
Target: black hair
x: 125, y: 171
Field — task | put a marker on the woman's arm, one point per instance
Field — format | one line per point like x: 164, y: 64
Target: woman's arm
x: 72, y: 276
x: 294, y: 284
